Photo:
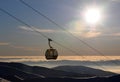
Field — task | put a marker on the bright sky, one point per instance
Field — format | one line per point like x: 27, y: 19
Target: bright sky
x: 19, y: 40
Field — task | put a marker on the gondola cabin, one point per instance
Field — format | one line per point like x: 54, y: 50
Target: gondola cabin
x: 51, y: 53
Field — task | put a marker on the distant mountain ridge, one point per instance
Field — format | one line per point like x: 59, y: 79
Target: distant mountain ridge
x: 115, y: 78
x: 84, y: 70
x: 73, y: 63
x: 18, y: 72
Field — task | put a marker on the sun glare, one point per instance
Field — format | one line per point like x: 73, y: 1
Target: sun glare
x: 92, y: 15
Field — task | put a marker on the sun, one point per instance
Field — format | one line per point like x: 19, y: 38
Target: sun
x: 92, y: 15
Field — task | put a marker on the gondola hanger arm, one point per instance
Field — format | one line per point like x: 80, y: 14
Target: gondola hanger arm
x: 49, y: 40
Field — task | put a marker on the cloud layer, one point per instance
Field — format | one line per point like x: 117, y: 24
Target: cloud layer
x: 25, y: 48
x: 80, y: 29
x: 36, y: 29
x: 4, y: 43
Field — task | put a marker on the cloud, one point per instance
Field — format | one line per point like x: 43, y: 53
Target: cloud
x: 4, y: 44
x: 26, y: 48
x: 75, y: 27
x: 114, y: 0
x: 80, y: 29
x: 112, y: 35
x: 36, y: 29
x: 91, y: 34
x: 26, y: 28
x: 20, y: 47
x: 116, y: 34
